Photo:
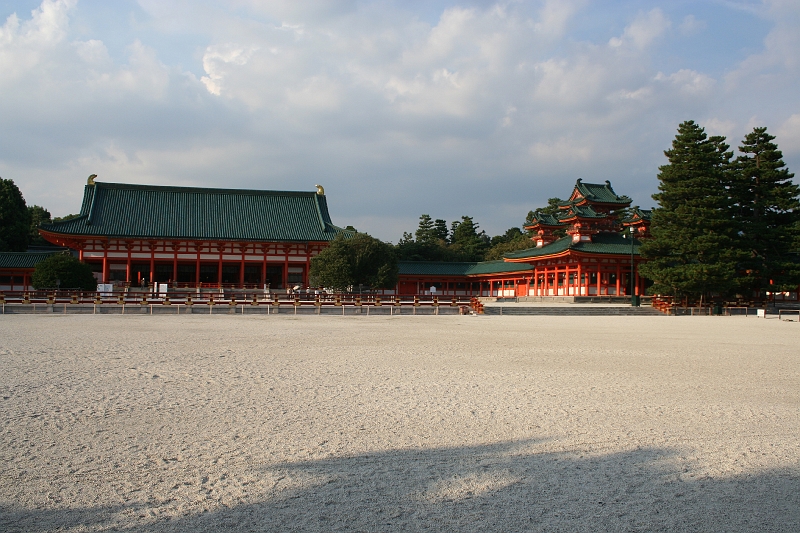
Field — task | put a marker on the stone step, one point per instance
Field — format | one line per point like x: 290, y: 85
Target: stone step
x: 571, y: 311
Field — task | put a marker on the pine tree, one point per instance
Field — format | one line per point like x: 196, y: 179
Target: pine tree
x: 767, y: 213
x: 466, y: 241
x: 426, y: 233
x: 15, y: 220
x: 691, y: 251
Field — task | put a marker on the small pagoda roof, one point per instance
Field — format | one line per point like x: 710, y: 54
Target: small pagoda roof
x: 599, y: 193
x: 602, y: 243
x: 193, y: 213
x: 637, y: 214
x: 543, y: 219
x: 579, y: 211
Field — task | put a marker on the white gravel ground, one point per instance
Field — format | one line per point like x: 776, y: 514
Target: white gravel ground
x: 255, y: 423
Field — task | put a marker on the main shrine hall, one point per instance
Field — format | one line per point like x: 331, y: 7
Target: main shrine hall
x: 193, y: 237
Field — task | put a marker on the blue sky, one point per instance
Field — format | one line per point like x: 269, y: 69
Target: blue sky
x: 397, y: 107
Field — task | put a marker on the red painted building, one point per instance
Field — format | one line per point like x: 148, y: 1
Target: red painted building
x: 189, y: 237
x: 586, y: 249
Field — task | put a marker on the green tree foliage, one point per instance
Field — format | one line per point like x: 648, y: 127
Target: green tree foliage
x: 349, y: 263
x: 65, y: 271
x: 15, y: 222
x: 767, y: 212
x: 551, y: 208
x: 691, y: 251
x: 431, y: 243
x: 66, y: 217
x: 38, y: 215
x: 511, y: 241
x: 466, y: 241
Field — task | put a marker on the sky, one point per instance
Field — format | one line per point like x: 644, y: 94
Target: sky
x: 396, y: 107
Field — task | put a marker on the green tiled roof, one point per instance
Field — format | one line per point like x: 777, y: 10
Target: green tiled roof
x: 545, y: 220
x: 600, y: 192
x: 582, y: 211
x: 602, y: 243
x: 443, y: 268
x: 497, y: 267
x: 156, y: 212
x: 22, y: 259
x: 639, y: 214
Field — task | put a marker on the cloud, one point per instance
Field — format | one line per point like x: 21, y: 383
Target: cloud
x: 645, y: 29
x: 469, y: 109
x: 788, y: 136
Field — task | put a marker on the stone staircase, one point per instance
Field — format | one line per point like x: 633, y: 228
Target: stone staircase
x: 564, y: 310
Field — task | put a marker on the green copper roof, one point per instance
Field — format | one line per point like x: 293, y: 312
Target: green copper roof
x: 600, y: 193
x: 443, y: 268
x: 22, y: 259
x: 156, y: 212
x: 639, y: 214
x: 544, y: 220
x: 581, y: 211
x: 602, y: 243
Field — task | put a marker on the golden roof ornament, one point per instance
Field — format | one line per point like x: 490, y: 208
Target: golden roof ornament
x: 90, y: 181
x: 320, y: 190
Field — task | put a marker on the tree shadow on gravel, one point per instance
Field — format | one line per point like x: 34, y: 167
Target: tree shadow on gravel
x: 499, y: 487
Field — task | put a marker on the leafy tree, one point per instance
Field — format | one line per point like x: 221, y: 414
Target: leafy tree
x: 65, y: 271
x: 431, y: 242
x: 509, y: 235
x: 767, y: 212
x: 520, y: 242
x: 691, y: 250
x: 359, y: 260
x: 38, y: 215
x: 551, y: 208
x: 426, y: 233
x: 66, y: 217
x: 15, y: 222
x: 440, y: 230
x: 466, y: 241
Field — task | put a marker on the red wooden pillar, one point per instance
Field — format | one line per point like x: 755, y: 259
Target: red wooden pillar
x: 264, y: 269
x: 128, y: 246
x: 579, y: 282
x: 241, y: 269
x: 175, y: 263
x: 152, y: 262
x: 599, y: 276
x: 619, y: 275
x: 219, y: 266
x: 286, y: 268
x: 197, y: 266
x: 638, y: 280
x: 105, y: 263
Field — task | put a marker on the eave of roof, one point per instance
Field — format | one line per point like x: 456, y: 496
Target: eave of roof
x: 602, y: 243
x: 22, y: 260
x: 192, y: 213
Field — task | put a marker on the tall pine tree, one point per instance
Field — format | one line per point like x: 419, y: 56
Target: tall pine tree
x: 691, y: 252
x: 767, y: 212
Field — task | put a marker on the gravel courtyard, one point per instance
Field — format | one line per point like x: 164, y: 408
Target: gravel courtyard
x: 427, y: 423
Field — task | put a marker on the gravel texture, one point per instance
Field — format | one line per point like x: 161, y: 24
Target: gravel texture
x: 449, y: 423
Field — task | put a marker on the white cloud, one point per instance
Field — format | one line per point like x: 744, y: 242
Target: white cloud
x: 690, y: 25
x: 688, y: 82
x: 645, y: 29
x: 436, y: 112
x: 788, y: 136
